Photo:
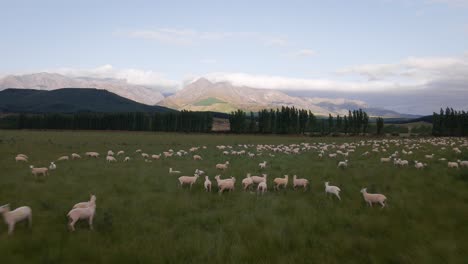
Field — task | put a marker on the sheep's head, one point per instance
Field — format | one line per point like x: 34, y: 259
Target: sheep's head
x: 4, y: 208
x: 326, y: 183
x: 93, y: 198
x: 364, y: 190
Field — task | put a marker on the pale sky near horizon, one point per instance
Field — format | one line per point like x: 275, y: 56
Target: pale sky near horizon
x: 367, y: 46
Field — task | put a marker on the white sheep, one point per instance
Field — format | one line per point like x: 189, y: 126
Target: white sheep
x: 262, y: 165
x: 258, y: 179
x: 110, y: 153
x: 197, y: 157
x: 20, y: 158
x: 429, y: 156
x: 452, y: 164
x: 52, y: 166
x: 188, y: 180
x: 15, y: 216
x: 92, y: 200
x: 199, y: 172
x: 22, y: 155
x: 63, y: 158
x: 343, y: 164
x: 262, y: 186
x: 110, y: 159
x: 120, y: 152
x: 281, y: 182
x: 145, y: 155
x: 300, y: 183
x: 247, y: 182
x: 225, y: 184
x: 82, y: 214
x: 333, y: 190
x: 371, y: 198
x: 222, y: 166
x: 207, y: 184
x: 92, y: 154
x: 463, y: 163
x: 156, y: 157
x: 75, y: 156
x: 173, y: 171
x: 385, y: 159
x: 36, y: 171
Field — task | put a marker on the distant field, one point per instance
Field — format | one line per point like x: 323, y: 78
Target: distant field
x: 209, y: 101
x: 142, y: 216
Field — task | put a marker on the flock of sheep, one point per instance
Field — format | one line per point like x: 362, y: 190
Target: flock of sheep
x: 86, y: 210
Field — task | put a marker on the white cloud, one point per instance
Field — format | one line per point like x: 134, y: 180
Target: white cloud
x: 132, y: 76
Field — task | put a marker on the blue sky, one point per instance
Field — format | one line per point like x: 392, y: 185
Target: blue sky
x: 372, y: 45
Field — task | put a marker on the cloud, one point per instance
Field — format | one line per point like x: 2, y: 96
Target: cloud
x: 305, y: 53
x: 132, y: 76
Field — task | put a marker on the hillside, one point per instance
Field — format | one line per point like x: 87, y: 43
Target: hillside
x: 69, y: 100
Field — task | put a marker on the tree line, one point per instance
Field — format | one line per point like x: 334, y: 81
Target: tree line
x: 183, y: 121
x: 290, y: 120
x: 450, y: 123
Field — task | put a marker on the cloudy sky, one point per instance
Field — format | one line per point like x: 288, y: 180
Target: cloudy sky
x: 414, y: 52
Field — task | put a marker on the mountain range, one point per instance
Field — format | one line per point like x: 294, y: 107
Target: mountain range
x: 199, y: 95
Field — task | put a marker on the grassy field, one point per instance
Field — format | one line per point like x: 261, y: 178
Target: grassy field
x: 143, y: 217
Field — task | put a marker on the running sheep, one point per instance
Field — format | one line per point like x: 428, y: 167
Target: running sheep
x: 15, y: 216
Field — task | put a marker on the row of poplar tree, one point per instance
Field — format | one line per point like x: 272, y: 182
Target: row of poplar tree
x: 450, y: 123
x: 290, y: 120
x: 183, y: 121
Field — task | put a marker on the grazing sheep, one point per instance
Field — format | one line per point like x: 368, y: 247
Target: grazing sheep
x: 247, y: 182
x: 463, y: 163
x: 173, y: 171
x: 343, y: 164
x: 429, y: 156
x: 15, y: 216
x: 225, y: 184
x: 92, y: 200
x: 92, y: 154
x: 22, y: 155
x: 262, y: 165
x: 258, y: 179
x: 419, y: 165
x: 127, y: 159
x: 281, y: 182
x: 300, y: 183
x: 110, y: 159
x: 452, y: 164
x: 197, y: 157
x: 333, y: 190
x: 110, y: 153
x: 20, y: 158
x: 371, y: 198
x: 167, y: 154
x: 52, y: 166
x: 36, y: 171
x: 81, y: 214
x: 156, y: 157
x: 63, y: 158
x: 385, y: 159
x: 221, y: 166
x: 120, y: 152
x: 145, y: 155
x: 207, y: 184
x: 75, y: 156
x: 262, y: 186
x: 138, y: 151
x: 188, y: 180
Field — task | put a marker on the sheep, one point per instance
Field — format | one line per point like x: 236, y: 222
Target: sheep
x: 22, y: 155
x: 221, y: 166
x: 188, y: 180
x: 262, y: 186
x: 197, y: 157
x: 167, y: 154
x: 82, y: 213
x: 373, y: 198
x: 199, y: 172
x: 247, y: 182
x: 333, y: 190
x: 63, y: 158
x: 343, y: 164
x: 385, y: 159
x: 227, y: 184
x: 419, y: 165
x: 452, y: 164
x: 138, y: 151
x: 280, y: 182
x: 92, y: 154
x: 20, y: 158
x: 262, y: 165
x: 36, y: 171
x: 92, y: 199
x: 300, y: 183
x: 15, y: 216
x: 75, y: 156
x: 145, y: 155
x: 120, y: 152
x: 126, y: 159
x: 156, y: 157
x: 173, y: 171
x: 52, y: 166
x: 110, y: 153
x: 110, y: 159
x: 429, y: 156
x: 207, y: 184
x: 463, y: 163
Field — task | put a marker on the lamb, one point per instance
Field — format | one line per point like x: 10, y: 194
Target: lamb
x: 262, y: 165
x: 452, y: 164
x: 75, y: 156
x: 429, y: 156
x: 258, y: 179
x: 110, y: 159
x: 52, y: 166
x: 227, y: 184
x: 82, y: 213
x: 300, y: 183
x: 247, y: 182
x: 167, y: 154
x: 207, y: 184
x: 343, y: 164
x: 188, y: 180
x: 262, y: 186
x: 463, y: 163
x: 22, y: 155
x: 221, y: 166
x: 127, y: 159
x: 145, y: 155
x: 92, y: 200
x: 280, y: 182
x: 62, y: 158
x: 20, y: 158
x: 173, y: 171
x: 419, y: 165
x: 120, y: 152
x: 92, y: 154
x: 385, y: 159
x: 197, y: 157
x: 156, y: 157
x: 15, y: 216
x: 371, y: 198
x: 333, y: 190
x: 110, y: 153
x: 36, y: 171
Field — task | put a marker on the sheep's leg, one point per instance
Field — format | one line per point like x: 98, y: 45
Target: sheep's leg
x: 383, y: 204
x: 338, y: 195
x: 370, y: 203
x: 71, y: 224
x: 91, y: 222
x: 11, y: 228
